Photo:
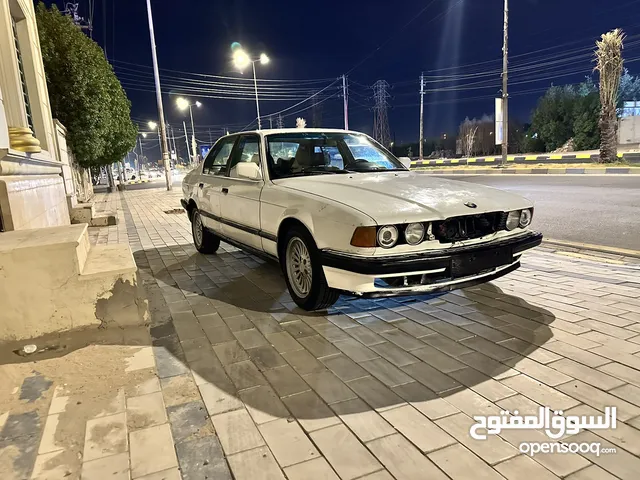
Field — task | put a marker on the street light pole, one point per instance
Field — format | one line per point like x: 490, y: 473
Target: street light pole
x: 345, y: 102
x: 421, y: 117
x: 140, y: 142
x: 193, y: 137
x: 241, y: 60
x: 505, y: 96
x: 255, y: 85
x: 186, y: 139
x: 163, y: 129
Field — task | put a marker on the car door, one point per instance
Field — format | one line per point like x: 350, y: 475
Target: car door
x: 240, y: 197
x: 210, y: 184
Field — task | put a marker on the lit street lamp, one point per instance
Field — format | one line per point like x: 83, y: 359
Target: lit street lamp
x: 183, y: 104
x: 242, y: 60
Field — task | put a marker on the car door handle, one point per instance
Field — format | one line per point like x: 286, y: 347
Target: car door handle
x: 225, y: 190
x: 201, y: 185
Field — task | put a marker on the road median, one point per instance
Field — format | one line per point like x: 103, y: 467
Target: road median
x: 589, y: 169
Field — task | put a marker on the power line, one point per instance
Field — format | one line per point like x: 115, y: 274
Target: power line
x: 206, y: 75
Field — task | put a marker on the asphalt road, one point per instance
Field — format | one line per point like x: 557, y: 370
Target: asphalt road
x: 601, y: 210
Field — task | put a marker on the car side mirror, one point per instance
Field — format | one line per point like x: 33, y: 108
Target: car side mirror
x: 248, y: 170
x: 406, y: 161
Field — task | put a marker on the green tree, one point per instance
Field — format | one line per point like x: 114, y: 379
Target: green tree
x: 84, y: 92
x: 629, y: 88
x: 586, y: 133
x: 553, y: 117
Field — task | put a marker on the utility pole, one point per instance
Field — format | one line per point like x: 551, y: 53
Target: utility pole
x: 140, y: 142
x: 381, y: 131
x: 210, y: 138
x: 163, y: 128
x: 184, y: 125
x: 280, y: 121
x: 505, y: 96
x: 345, y: 98
x: 270, y: 122
x: 421, y: 115
x: 173, y: 141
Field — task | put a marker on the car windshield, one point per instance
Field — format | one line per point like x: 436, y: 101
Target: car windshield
x: 298, y: 154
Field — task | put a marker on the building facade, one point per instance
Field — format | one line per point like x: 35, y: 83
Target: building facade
x: 32, y: 188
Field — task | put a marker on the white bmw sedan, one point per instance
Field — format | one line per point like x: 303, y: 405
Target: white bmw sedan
x: 342, y: 215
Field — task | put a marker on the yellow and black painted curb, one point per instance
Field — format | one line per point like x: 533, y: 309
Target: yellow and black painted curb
x: 530, y: 171
x: 133, y: 182
x: 631, y: 158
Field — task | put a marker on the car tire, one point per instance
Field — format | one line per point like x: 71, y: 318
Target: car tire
x: 302, y: 268
x: 204, y: 240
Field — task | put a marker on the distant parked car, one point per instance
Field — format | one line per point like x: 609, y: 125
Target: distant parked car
x: 341, y: 214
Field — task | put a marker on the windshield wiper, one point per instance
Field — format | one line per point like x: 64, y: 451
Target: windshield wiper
x: 379, y: 169
x: 319, y: 169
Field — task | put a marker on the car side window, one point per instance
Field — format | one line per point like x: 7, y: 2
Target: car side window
x: 218, y: 158
x: 247, y: 150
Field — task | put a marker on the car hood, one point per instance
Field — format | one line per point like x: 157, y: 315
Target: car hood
x: 404, y: 197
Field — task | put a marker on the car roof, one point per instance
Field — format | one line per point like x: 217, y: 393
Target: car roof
x: 272, y: 131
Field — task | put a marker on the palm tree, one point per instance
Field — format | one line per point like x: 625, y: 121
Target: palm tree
x: 609, y: 66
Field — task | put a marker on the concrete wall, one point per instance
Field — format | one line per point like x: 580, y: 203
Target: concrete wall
x: 629, y: 131
x: 33, y: 201
x: 32, y: 190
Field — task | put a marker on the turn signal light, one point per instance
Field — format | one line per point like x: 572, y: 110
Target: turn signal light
x: 364, y: 237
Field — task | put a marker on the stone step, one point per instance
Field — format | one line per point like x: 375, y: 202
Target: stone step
x: 108, y: 260
x: 103, y: 219
x: 53, y: 279
x: 82, y: 213
x: 67, y: 245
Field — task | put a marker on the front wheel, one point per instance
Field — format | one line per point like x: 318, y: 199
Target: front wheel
x: 204, y: 240
x: 303, y: 272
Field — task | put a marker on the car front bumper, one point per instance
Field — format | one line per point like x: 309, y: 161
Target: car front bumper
x: 426, y: 272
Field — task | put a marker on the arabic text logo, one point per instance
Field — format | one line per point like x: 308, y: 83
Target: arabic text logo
x: 555, y: 426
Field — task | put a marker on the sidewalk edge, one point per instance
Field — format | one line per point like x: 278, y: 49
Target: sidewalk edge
x: 595, y: 248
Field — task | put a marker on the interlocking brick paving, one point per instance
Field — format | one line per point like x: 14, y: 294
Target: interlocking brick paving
x: 372, y: 389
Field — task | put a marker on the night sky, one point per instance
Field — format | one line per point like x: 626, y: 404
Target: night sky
x: 456, y: 43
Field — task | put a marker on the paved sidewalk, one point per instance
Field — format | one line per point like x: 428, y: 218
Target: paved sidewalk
x: 239, y: 383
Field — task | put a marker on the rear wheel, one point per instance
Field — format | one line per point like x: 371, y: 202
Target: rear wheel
x: 204, y: 240
x: 303, y: 271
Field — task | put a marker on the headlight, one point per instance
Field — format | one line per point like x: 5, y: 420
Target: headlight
x: 387, y: 236
x: 525, y: 218
x: 513, y: 219
x: 414, y: 233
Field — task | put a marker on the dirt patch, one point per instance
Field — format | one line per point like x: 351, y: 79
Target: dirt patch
x: 94, y: 378
x: 178, y: 390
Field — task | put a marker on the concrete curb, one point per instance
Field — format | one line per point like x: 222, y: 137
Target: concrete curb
x: 564, y: 244
x: 531, y: 171
x: 133, y: 182
x: 631, y: 158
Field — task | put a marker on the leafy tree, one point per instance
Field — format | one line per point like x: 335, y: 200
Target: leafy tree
x: 85, y: 94
x: 566, y: 112
x: 552, y: 119
x: 629, y: 88
x: 586, y: 134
